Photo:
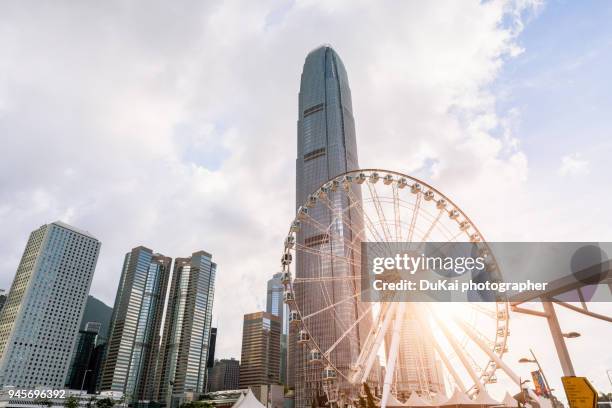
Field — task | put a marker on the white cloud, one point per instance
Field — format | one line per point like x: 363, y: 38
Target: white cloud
x: 574, y: 165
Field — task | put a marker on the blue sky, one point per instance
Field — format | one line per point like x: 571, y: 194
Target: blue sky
x: 560, y: 83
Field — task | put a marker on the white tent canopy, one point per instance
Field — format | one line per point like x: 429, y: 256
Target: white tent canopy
x: 438, y: 399
x: 508, y: 401
x: 248, y: 401
x: 458, y: 398
x: 393, y: 402
x: 416, y: 401
x: 485, y: 399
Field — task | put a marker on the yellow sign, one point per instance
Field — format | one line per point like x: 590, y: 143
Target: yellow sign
x: 580, y: 393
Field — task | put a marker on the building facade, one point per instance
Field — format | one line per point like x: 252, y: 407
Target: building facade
x: 132, y: 352
x: 327, y: 147
x: 187, y: 330
x: 225, y: 375
x: 40, y: 319
x: 260, y: 357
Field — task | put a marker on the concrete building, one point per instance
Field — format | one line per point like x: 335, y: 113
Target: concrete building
x: 187, y: 332
x: 326, y: 148
x: 40, y: 319
x: 133, y: 348
x: 225, y: 375
x: 260, y: 357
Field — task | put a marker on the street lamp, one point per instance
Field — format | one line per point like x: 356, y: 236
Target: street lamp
x: 535, y: 360
x: 571, y: 335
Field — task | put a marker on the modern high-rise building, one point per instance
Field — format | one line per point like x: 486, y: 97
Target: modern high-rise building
x: 187, y: 330
x: 40, y: 320
x: 276, y: 306
x: 225, y: 375
x: 79, y: 370
x: 260, y: 358
x: 274, y: 298
x: 326, y: 148
x: 133, y: 347
x: 210, y: 362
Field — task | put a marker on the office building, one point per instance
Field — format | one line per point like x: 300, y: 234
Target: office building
x: 187, y: 330
x: 210, y: 362
x: 276, y: 306
x: 260, y: 357
x: 225, y: 375
x: 326, y: 148
x: 80, y: 370
x: 40, y: 319
x: 132, y: 352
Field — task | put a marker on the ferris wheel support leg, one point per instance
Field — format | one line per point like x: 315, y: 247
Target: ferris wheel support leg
x: 393, y: 351
x: 557, y: 335
x: 498, y: 361
x: 371, y: 353
x: 457, y: 348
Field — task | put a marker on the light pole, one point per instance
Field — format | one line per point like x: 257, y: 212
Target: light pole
x: 535, y: 360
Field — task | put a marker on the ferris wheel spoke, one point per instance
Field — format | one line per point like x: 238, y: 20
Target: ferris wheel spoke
x: 380, y: 211
x: 397, y: 213
x: 311, y: 315
x: 415, y: 214
x: 458, y: 351
x: 358, y: 204
x: 445, y: 360
x: 432, y: 226
x: 329, y: 233
x: 484, y: 311
x: 343, y: 336
x: 313, y: 251
x: 474, y: 336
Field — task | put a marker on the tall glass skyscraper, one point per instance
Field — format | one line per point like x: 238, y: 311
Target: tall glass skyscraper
x: 326, y: 148
x: 276, y: 307
x: 133, y: 346
x: 187, y: 329
x: 40, y: 320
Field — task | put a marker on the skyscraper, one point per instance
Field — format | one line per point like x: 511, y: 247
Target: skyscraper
x: 79, y: 371
x: 210, y: 361
x: 274, y: 298
x: 40, y: 320
x: 327, y: 147
x: 276, y: 306
x: 187, y: 331
x: 133, y: 346
x: 260, y: 357
x: 225, y: 375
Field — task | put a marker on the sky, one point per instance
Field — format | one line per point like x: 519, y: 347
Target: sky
x: 173, y: 125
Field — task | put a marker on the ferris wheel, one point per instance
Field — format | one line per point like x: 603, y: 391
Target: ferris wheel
x: 424, y: 347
